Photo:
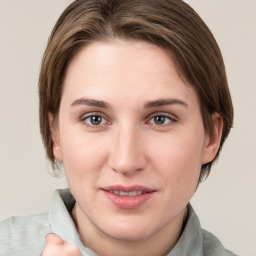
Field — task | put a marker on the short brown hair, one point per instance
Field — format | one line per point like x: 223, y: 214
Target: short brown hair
x: 170, y: 24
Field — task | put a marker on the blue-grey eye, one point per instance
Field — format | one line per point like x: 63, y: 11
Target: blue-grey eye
x: 95, y: 120
x: 160, y: 120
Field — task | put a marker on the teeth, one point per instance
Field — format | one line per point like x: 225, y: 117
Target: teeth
x: 123, y: 193
x: 133, y: 193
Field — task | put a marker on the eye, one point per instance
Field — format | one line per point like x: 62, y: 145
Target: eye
x: 94, y: 120
x: 161, y: 120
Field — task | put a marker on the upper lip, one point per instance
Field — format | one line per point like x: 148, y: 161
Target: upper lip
x: 128, y: 188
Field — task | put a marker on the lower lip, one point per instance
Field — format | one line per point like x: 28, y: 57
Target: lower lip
x: 128, y: 202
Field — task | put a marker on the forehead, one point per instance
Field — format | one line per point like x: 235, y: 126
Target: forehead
x: 125, y: 68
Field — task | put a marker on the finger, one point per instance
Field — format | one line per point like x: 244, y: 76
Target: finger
x: 71, y: 249
x: 54, y: 239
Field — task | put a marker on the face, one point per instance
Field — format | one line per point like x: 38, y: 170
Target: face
x: 131, y: 138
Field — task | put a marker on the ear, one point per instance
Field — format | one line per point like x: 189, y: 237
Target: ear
x: 55, y: 138
x: 212, y: 141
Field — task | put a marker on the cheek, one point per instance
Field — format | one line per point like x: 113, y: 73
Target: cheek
x: 179, y: 152
x: 83, y: 154
x: 178, y: 159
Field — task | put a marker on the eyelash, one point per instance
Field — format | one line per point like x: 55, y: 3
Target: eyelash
x: 171, y: 119
x: 93, y: 115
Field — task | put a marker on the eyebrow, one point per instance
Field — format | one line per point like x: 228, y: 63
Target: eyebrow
x: 150, y: 104
x: 91, y: 102
x: 163, y: 102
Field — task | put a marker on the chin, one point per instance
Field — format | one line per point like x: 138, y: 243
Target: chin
x: 130, y: 236
x: 129, y: 232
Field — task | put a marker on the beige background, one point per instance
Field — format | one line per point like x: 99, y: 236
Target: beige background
x: 225, y: 203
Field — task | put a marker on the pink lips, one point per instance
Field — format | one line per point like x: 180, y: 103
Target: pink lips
x: 131, y: 197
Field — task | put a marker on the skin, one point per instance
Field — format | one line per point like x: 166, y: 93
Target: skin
x: 128, y: 146
x: 55, y: 245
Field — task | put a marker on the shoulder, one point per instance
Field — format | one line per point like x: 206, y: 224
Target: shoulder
x: 23, y: 235
x: 212, y: 245
x: 201, y: 242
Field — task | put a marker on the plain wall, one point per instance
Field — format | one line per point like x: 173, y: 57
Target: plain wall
x: 225, y: 202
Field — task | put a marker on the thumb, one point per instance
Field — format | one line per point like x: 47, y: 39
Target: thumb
x: 56, y: 246
x: 54, y: 239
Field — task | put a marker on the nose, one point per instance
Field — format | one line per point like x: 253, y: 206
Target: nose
x: 126, y: 151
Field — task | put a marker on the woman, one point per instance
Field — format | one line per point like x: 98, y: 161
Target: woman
x: 134, y: 103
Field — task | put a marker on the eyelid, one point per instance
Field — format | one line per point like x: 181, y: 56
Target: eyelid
x: 90, y: 114
x: 172, y: 117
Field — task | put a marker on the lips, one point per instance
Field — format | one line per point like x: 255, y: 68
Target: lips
x: 131, y: 197
x: 123, y: 193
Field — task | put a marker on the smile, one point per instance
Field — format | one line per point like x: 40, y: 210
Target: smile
x: 124, y: 193
x: 131, y: 197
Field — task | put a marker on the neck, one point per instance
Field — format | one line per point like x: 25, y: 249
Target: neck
x: 160, y: 243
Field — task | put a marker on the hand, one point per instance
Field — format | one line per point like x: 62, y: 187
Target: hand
x: 56, y: 246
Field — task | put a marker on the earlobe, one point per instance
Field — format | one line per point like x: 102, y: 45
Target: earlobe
x: 212, y: 141
x: 55, y: 138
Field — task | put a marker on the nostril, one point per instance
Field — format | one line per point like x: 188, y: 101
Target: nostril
x: 128, y: 167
